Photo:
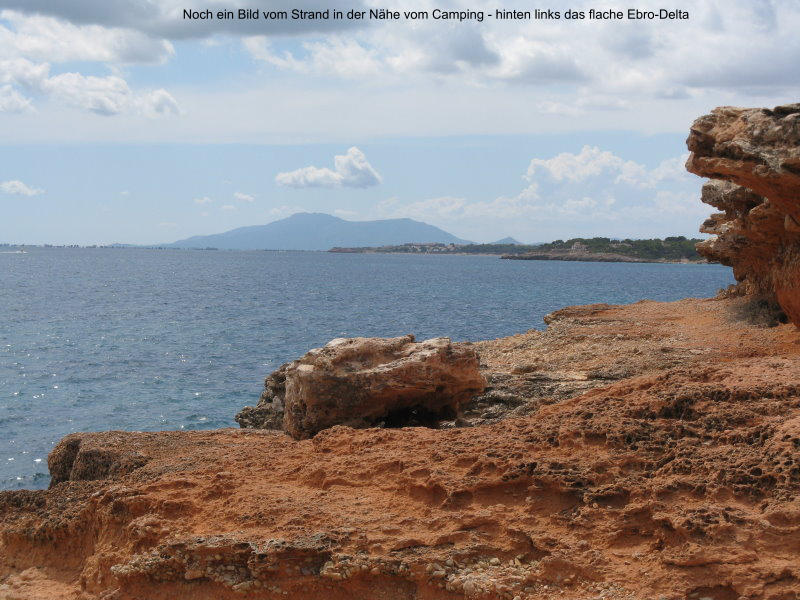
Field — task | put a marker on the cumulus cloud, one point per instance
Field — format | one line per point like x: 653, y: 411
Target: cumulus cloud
x: 203, y: 200
x: 526, y: 60
x: 577, y: 60
x: 586, y: 190
x: 12, y: 101
x: 591, y: 161
x: 157, y: 103
x: 109, y: 95
x: 242, y: 197
x: 350, y: 170
x: 48, y: 39
x: 433, y: 77
x: 227, y: 207
x: 15, y: 187
x: 625, y: 59
x: 337, y: 56
x: 30, y: 44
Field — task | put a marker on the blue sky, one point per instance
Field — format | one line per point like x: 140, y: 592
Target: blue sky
x: 119, y: 122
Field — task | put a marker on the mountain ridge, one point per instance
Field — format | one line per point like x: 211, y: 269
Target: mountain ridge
x: 320, y: 231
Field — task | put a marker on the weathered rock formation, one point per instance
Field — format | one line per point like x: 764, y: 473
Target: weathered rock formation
x: 361, y: 382
x: 73, y: 460
x: 676, y: 476
x: 753, y: 158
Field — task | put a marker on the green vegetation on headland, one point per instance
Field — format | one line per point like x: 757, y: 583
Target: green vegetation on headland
x: 670, y: 249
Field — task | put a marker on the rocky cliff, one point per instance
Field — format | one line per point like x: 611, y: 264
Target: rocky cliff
x: 753, y: 159
x: 654, y: 452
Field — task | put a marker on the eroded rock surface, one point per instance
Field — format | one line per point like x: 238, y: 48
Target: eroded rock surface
x: 268, y: 413
x: 671, y: 470
x: 77, y: 458
x: 363, y: 382
x: 753, y: 158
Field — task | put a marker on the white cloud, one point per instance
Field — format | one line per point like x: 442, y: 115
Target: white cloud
x: 285, y: 210
x: 570, y: 193
x: 157, y: 103
x: 606, y: 63
x: 29, y: 44
x: 350, y: 170
x: 581, y: 106
x: 227, y: 207
x: 342, y: 57
x: 24, y: 73
x: 12, y: 101
x: 591, y: 161
x: 109, y: 95
x: 242, y: 197
x: 48, y: 39
x: 432, y: 77
x: 203, y: 200
x: 101, y: 95
x: 15, y: 187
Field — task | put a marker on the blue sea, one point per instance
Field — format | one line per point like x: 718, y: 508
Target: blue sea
x: 135, y: 339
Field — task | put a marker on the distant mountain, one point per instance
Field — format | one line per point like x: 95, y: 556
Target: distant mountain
x: 509, y: 240
x: 319, y: 231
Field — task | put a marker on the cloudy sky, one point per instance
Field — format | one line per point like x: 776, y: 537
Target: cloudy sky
x: 122, y: 122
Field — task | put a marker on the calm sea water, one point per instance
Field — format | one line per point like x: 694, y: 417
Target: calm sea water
x: 94, y: 339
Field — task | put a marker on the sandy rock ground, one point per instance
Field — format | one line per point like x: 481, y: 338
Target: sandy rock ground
x: 639, y: 452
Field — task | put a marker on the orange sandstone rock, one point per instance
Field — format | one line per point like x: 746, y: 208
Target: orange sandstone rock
x: 753, y: 158
x: 680, y: 478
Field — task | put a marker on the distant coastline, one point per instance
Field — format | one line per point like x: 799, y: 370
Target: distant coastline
x: 668, y: 250
x: 679, y: 250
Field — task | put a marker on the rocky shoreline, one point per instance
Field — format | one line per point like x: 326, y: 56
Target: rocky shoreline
x: 643, y: 451
x: 623, y: 452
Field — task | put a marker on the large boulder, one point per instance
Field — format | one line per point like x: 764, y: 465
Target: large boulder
x: 753, y: 158
x: 362, y: 382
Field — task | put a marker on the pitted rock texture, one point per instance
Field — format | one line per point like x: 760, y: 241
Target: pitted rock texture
x: 753, y: 158
x: 75, y: 459
x: 676, y: 477
x: 361, y: 382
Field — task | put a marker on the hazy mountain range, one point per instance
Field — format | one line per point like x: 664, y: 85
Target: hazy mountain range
x: 320, y: 231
